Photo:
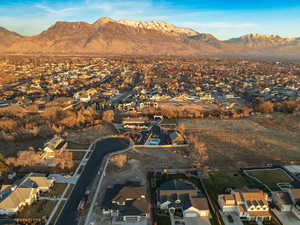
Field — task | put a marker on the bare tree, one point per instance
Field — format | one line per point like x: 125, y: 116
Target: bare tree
x: 119, y: 160
x: 108, y: 116
x: 181, y: 127
x: 265, y: 107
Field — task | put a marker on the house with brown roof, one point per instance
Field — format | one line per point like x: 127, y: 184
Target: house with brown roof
x: 183, y: 202
x: 252, y: 205
x: 127, y: 204
x: 24, y: 192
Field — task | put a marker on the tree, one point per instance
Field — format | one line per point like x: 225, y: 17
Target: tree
x: 199, y: 148
x: 119, y: 160
x: 181, y: 127
x: 3, y: 166
x: 108, y: 116
x: 265, y: 107
x: 7, y: 124
x: 64, y: 160
x: 289, y: 106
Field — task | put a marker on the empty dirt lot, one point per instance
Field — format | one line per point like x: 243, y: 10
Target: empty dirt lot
x: 252, y: 141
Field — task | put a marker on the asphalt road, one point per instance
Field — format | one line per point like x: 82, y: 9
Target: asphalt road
x: 103, y: 147
x: 7, y: 221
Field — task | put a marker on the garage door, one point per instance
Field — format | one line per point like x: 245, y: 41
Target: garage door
x: 191, y: 214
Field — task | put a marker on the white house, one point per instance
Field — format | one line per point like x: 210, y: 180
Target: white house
x: 23, y: 192
x: 294, y: 194
x: 249, y: 206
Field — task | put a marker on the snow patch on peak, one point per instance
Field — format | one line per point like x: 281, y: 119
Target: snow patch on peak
x: 158, y: 25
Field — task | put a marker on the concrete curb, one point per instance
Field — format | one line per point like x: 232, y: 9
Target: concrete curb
x: 161, y: 146
x: 68, y: 186
x: 108, y: 157
x: 91, y: 150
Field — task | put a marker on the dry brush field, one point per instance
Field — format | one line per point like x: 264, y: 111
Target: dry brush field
x: 253, y: 141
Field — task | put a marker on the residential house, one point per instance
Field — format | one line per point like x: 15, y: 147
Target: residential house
x: 135, y: 123
x: 283, y: 201
x: 127, y: 204
x: 252, y: 205
x: 181, y: 200
x: 294, y: 194
x: 23, y: 192
x: 55, y: 145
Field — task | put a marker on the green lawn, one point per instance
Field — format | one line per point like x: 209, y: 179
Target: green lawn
x: 271, y: 177
x: 163, y: 220
x: 38, y: 209
x: 56, y: 191
x: 220, y: 180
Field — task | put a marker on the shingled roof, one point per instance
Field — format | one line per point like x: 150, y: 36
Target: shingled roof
x: 12, y: 196
x: 131, y: 194
x: 182, y: 194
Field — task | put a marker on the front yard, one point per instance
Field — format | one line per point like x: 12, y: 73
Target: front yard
x: 56, y: 191
x: 218, y: 181
x: 38, y: 209
x: 163, y: 220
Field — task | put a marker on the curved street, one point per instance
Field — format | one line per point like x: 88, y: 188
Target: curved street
x: 102, y: 148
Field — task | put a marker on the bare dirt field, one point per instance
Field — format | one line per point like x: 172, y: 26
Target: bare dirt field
x: 135, y: 170
x: 252, y: 141
x: 82, y: 138
x: 88, y: 135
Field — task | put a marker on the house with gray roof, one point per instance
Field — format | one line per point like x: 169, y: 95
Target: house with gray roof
x: 127, y: 204
x: 183, y: 202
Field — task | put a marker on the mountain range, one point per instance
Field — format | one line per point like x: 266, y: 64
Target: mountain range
x: 132, y: 37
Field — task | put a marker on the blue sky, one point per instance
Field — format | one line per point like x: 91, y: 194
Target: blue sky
x: 224, y: 19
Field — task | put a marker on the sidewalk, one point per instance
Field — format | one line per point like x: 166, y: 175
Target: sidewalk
x: 62, y: 179
x: 52, y: 199
x: 62, y: 198
x: 77, y: 150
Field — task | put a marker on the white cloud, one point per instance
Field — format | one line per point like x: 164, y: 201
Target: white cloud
x: 56, y: 12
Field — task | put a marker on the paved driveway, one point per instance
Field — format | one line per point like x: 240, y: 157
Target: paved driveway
x: 286, y: 218
x: 197, y: 221
x: 62, y: 179
x: 236, y: 219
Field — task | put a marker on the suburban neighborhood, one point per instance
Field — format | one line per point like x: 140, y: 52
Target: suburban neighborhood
x: 110, y: 141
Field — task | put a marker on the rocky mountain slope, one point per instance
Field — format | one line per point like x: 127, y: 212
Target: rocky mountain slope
x: 131, y: 37
x: 7, y: 38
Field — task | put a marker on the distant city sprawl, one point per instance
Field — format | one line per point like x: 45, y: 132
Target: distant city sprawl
x: 125, y: 140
